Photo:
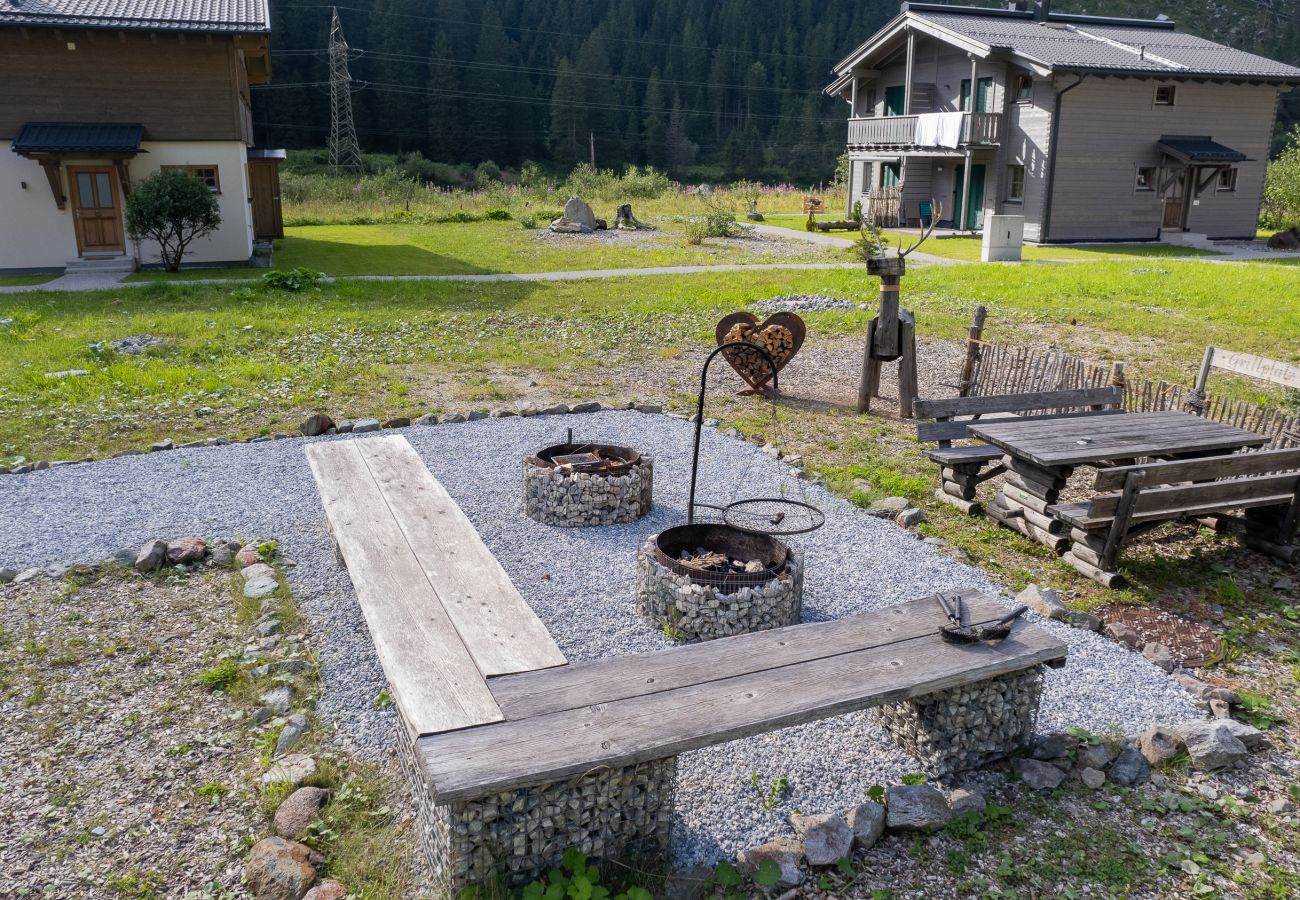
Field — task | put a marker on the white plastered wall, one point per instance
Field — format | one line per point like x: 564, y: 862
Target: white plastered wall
x: 34, y: 232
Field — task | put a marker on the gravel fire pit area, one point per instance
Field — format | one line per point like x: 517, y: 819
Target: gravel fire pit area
x: 582, y: 584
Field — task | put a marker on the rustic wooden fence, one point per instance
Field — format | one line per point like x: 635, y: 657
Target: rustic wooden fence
x: 991, y: 368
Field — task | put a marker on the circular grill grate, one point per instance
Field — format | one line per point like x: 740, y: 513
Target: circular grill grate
x: 1190, y: 642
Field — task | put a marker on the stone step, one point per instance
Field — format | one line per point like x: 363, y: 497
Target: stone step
x: 106, y: 264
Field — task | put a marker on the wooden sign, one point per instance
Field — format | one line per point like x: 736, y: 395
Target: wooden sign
x: 1252, y: 366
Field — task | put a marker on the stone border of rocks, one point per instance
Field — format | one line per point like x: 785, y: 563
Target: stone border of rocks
x: 823, y: 840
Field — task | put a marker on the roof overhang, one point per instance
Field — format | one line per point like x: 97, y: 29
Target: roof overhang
x: 1199, y: 151
x: 63, y: 140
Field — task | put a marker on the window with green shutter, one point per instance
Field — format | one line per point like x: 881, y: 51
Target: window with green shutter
x: 889, y: 173
x: 984, y: 101
x: 894, y: 100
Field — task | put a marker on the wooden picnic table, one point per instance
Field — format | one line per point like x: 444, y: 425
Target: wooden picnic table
x: 1040, y: 454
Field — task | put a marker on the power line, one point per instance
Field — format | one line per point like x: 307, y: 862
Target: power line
x: 344, y: 150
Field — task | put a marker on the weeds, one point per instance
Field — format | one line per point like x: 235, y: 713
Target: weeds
x: 222, y: 676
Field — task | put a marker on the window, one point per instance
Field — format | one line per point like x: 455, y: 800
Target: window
x: 1024, y: 88
x: 1146, y: 179
x: 206, y: 174
x: 889, y: 173
x: 1227, y: 179
x: 984, y: 101
x: 1015, y: 184
x: 1165, y: 94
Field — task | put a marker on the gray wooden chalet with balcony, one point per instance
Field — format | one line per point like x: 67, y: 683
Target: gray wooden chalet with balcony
x: 1093, y: 129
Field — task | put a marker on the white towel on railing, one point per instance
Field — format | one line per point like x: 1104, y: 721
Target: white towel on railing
x: 949, y: 129
x: 926, y: 133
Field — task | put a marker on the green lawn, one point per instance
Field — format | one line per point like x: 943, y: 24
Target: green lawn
x: 967, y: 249
x: 259, y: 359
x: 482, y: 247
x: 25, y: 280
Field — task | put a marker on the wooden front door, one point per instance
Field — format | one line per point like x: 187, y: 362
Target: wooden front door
x: 1175, y: 200
x: 96, y: 211
x: 264, y: 189
x: 974, y: 218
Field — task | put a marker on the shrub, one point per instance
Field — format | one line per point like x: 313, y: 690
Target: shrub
x: 220, y: 677
x: 486, y: 173
x: 696, y: 231
x: 528, y: 221
x: 171, y: 208
x: 720, y: 220
x: 459, y: 216
x: 497, y: 215
x: 298, y: 279
x: 1281, y: 207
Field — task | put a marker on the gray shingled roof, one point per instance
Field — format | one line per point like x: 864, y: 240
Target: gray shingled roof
x: 1076, y: 43
x: 78, y: 137
x: 149, y: 15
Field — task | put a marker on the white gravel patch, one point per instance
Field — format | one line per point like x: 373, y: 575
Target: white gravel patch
x: 579, y: 581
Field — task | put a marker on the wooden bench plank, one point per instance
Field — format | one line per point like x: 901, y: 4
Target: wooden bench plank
x: 970, y: 406
x: 1256, y: 462
x: 433, y: 678
x: 569, y: 743
x: 974, y: 453
x: 1079, y: 514
x: 1174, y: 497
x: 499, y: 629
x: 638, y: 675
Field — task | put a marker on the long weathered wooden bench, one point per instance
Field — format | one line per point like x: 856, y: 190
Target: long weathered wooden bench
x: 962, y: 469
x: 516, y: 756
x: 1136, y: 498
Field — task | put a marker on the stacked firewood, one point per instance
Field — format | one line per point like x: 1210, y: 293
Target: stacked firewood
x: 777, y: 340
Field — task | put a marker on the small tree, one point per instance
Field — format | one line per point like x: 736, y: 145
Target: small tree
x: 171, y: 208
x: 1282, y: 187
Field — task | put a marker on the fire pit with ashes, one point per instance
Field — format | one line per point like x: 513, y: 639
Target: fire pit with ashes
x: 574, y: 485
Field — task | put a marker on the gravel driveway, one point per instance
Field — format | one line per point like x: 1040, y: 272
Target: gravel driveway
x: 578, y: 581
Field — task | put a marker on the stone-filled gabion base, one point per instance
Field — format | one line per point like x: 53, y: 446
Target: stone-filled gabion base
x: 969, y: 726
x: 586, y: 499
x: 522, y: 834
x: 692, y: 612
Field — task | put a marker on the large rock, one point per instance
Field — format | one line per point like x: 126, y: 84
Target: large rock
x: 1095, y: 756
x: 915, y: 807
x: 826, y: 839
x: 1093, y: 778
x: 1043, y: 601
x: 1054, y: 745
x: 1211, y: 745
x: 186, y: 550
x: 298, y: 810
x: 293, y: 769
x: 577, y: 218
x: 279, y: 870
x: 1130, y: 768
x: 151, y: 556
x: 867, y: 821
x: 1039, y: 775
x: 963, y: 800
x: 787, y: 853
x: 1252, y: 737
x: 316, y: 424
x: 1159, y: 745
x: 1285, y: 240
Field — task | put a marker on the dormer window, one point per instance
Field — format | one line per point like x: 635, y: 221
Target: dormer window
x: 1165, y: 94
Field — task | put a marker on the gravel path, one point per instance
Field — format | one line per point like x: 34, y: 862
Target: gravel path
x: 579, y: 582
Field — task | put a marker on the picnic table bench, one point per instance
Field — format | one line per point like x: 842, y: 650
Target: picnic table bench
x: 1134, y: 499
x: 962, y: 468
x: 515, y: 756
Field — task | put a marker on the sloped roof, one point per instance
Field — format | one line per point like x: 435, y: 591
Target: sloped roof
x: 1074, y: 43
x: 78, y: 137
x: 240, y: 16
x: 1191, y: 149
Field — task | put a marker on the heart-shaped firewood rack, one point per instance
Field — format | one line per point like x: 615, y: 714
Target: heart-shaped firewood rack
x: 780, y: 334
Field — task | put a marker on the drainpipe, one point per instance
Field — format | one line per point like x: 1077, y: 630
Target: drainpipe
x: 1051, y: 158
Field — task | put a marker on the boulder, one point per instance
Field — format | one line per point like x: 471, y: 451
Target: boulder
x: 1039, y: 775
x: 915, y: 807
x: 151, y: 556
x: 1043, y: 601
x: 1054, y: 745
x: 1285, y: 240
x: 1124, y: 634
x: 787, y: 853
x: 963, y: 801
x: 186, y: 550
x: 577, y: 219
x: 1211, y: 745
x: 1160, y: 656
x: 1130, y: 768
x: 1252, y: 737
x: 587, y: 406
x: 826, y: 839
x: 298, y: 810
x: 1158, y: 745
x: 293, y: 769
x: 361, y: 426
x: 329, y: 889
x: 867, y: 821
x: 1095, y: 756
x: 279, y: 870
x: 1093, y: 778
x: 316, y: 424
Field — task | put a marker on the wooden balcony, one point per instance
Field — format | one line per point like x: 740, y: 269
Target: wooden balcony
x: 899, y: 133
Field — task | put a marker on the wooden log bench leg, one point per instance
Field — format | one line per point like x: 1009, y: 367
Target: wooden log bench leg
x: 969, y: 726
x: 520, y: 834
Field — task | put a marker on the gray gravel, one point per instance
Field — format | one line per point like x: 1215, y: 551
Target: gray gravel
x: 805, y: 303
x: 580, y: 582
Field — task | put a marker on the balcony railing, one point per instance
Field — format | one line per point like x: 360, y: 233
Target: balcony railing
x: 899, y: 132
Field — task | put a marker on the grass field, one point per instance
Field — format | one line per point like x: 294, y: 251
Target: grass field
x: 25, y: 280
x: 260, y: 359
x: 481, y: 247
x: 967, y: 249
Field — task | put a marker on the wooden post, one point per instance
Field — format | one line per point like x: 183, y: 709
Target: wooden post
x: 1123, y: 512
x: 1195, y: 402
x: 974, y: 335
x: 907, y: 381
x: 869, y: 382
x: 907, y: 72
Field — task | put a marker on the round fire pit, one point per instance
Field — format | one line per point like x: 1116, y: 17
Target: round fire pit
x: 700, y: 582
x: 582, y: 485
